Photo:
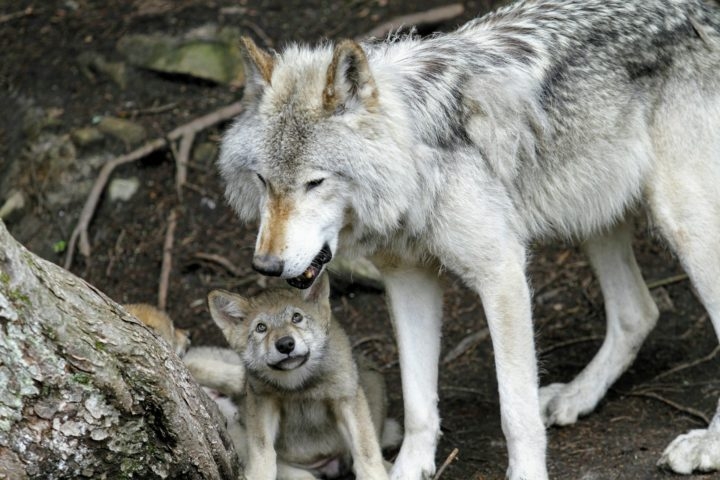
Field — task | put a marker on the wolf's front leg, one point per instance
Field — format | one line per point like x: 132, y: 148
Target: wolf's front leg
x: 357, y: 428
x: 415, y: 300
x: 506, y: 299
x: 698, y: 450
x: 263, y: 420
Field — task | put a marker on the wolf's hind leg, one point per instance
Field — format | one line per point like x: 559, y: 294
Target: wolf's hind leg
x: 630, y: 314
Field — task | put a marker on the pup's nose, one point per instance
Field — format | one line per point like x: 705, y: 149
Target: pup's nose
x: 285, y: 345
x: 269, y: 265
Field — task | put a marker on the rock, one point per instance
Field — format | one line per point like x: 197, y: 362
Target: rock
x: 13, y: 205
x: 86, y: 136
x: 205, y: 153
x: 208, y: 55
x: 93, y: 63
x: 358, y: 271
x: 126, y: 131
x: 123, y: 188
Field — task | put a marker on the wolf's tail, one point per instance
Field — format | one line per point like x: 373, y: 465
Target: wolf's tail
x: 391, y: 434
x: 217, y: 368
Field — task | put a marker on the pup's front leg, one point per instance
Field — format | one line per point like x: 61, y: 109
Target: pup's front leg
x: 356, y: 426
x: 415, y: 300
x: 263, y: 420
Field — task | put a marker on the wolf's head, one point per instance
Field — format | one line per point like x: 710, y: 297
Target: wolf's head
x: 302, y: 158
x: 281, y: 334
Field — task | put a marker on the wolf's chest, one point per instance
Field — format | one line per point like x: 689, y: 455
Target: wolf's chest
x: 308, y: 432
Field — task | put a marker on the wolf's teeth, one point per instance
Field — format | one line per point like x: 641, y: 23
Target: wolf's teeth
x: 309, y: 273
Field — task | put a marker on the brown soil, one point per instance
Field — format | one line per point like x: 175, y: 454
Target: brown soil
x: 621, y: 440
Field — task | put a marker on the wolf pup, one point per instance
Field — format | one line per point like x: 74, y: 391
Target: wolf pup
x: 308, y: 406
x: 546, y: 118
x: 159, y: 321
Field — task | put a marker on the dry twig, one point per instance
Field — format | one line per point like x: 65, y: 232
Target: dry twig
x: 167, y: 260
x: 188, y: 130
x: 682, y: 408
x: 573, y: 341
x: 447, y: 462
x: 667, y: 281
x: 12, y: 16
x: 686, y: 365
x: 466, y: 344
x: 434, y: 15
x: 222, y: 261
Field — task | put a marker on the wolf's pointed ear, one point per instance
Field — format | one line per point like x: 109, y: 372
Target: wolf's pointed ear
x: 349, y: 79
x: 319, y: 291
x: 227, y: 309
x: 259, y: 65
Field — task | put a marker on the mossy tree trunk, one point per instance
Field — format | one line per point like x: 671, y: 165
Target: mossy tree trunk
x: 86, y: 391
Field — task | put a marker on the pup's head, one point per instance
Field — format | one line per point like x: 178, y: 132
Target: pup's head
x: 281, y: 334
x: 293, y: 157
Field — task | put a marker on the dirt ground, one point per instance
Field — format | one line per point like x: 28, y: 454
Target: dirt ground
x: 622, y: 440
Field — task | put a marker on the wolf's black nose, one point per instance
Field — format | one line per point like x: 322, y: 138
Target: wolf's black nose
x: 269, y: 265
x: 285, y: 344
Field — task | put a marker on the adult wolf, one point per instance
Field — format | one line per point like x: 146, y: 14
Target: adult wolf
x: 543, y: 119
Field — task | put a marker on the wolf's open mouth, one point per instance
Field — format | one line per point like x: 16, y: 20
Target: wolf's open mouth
x: 311, y: 273
x: 291, y: 363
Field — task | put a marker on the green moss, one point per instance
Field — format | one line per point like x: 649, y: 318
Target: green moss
x: 82, y: 378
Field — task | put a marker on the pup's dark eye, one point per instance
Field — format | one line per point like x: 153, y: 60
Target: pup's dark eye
x: 261, y: 178
x: 297, y: 318
x: 314, y: 183
x: 261, y: 328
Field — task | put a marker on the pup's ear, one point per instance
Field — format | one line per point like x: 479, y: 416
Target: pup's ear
x: 259, y: 66
x: 348, y: 79
x: 319, y: 291
x: 228, y: 310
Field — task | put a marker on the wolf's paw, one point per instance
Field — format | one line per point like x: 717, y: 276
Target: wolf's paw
x: 697, y: 450
x: 416, y: 460
x: 560, y: 404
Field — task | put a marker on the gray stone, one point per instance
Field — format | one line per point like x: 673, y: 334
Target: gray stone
x: 85, y: 136
x: 126, y: 131
x: 200, y: 55
x: 123, y: 189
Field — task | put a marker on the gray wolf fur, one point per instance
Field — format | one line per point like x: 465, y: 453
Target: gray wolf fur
x: 308, y: 409
x: 543, y: 119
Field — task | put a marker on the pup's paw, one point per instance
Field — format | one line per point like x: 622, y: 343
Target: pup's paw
x: 563, y: 403
x: 416, y: 460
x: 697, y: 450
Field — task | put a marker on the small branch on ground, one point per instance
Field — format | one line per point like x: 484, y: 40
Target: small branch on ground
x: 167, y: 260
x: 12, y: 16
x: 466, y: 344
x: 188, y: 130
x: 686, y: 365
x: 447, y: 462
x: 667, y: 281
x: 682, y: 408
x: 368, y: 339
x: 222, y: 261
x: 568, y: 343
x: 432, y: 16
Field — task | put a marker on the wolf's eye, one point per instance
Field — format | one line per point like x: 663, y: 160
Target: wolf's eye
x: 261, y: 178
x: 314, y: 183
x: 297, y: 318
x: 261, y: 328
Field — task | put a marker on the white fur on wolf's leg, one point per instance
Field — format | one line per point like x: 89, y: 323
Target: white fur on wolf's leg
x: 288, y: 472
x: 631, y: 315
x: 695, y: 451
x: 415, y: 301
x: 505, y: 297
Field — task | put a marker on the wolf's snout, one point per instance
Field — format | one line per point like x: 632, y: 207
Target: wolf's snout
x: 269, y: 265
x: 285, y: 345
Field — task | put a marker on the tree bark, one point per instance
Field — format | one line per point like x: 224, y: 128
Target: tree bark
x: 87, y: 391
